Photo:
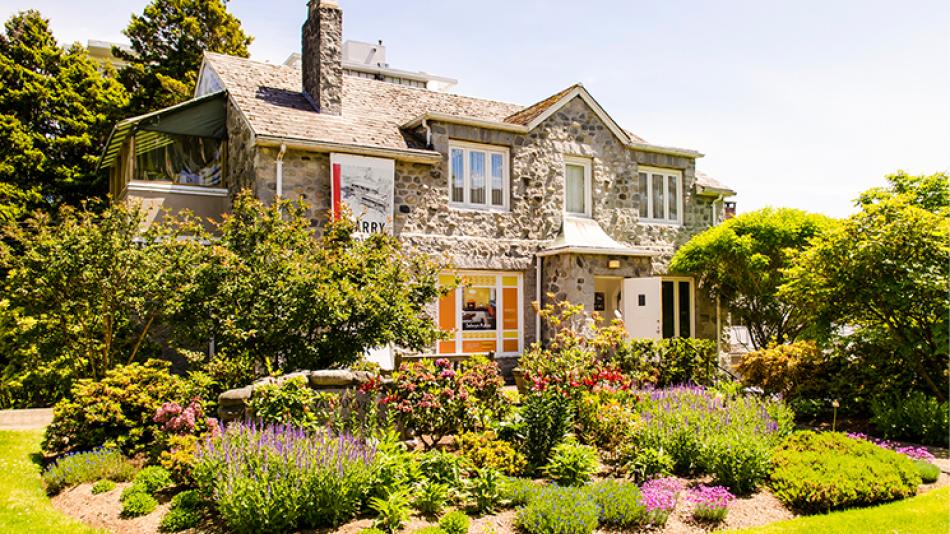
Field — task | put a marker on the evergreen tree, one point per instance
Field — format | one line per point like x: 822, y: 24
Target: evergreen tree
x: 56, y: 108
x: 168, y: 41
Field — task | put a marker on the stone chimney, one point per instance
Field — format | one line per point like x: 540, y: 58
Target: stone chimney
x: 322, y: 56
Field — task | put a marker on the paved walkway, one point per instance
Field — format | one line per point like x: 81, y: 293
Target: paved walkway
x: 29, y: 419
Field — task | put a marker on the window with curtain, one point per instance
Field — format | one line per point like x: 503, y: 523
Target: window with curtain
x: 478, y: 176
x: 577, y: 186
x: 661, y: 195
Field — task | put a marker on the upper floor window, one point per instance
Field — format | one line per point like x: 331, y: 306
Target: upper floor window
x: 577, y: 186
x: 478, y: 176
x: 661, y: 195
x: 179, y: 159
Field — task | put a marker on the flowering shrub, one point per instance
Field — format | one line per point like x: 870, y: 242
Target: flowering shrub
x: 659, y: 499
x: 519, y: 491
x: 916, y: 453
x: 480, y: 377
x: 183, y: 427
x: 818, y: 472
x: 619, y: 503
x: 77, y: 468
x: 710, y: 503
x: 607, y: 420
x: 557, y: 510
x: 729, y: 438
x: 277, y: 478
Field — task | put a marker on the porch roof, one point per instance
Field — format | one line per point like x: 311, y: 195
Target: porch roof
x: 582, y: 235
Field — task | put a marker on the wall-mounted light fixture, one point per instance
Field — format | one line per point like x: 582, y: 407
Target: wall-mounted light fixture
x: 613, y: 264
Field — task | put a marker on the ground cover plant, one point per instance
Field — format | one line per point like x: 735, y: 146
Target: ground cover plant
x: 818, y: 472
x: 90, y: 466
x: 710, y: 503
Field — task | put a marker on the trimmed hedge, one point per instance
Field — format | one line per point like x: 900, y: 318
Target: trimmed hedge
x: 818, y: 472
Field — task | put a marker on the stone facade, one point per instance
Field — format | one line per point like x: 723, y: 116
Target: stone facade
x: 322, y: 59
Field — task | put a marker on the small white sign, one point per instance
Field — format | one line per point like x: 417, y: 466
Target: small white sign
x: 366, y: 186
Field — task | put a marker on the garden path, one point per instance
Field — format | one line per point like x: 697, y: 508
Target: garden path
x: 26, y: 419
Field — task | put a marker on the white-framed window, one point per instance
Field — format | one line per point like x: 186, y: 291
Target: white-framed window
x: 661, y: 195
x: 577, y: 186
x: 483, y: 314
x: 478, y: 176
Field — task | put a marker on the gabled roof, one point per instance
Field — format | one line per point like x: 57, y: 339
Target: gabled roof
x: 707, y: 185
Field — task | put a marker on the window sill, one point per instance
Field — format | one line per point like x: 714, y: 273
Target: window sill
x: 659, y: 222
x: 478, y: 208
x: 165, y: 187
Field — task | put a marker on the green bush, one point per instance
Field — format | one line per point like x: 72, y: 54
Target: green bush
x: 290, y: 402
x: 818, y: 472
x: 915, y: 417
x: 137, y: 503
x: 484, y: 450
x: 442, y: 467
x: 116, y: 411
x: 391, y: 512
x: 929, y: 473
x: 78, y: 468
x: 454, y: 523
x: 103, y: 486
x: 619, y: 503
x: 484, y: 490
x: 153, y: 478
x: 645, y: 463
x: 668, y: 361
x: 430, y: 498
x: 185, y: 512
x: 547, y: 417
x: 519, y: 491
x: 557, y: 510
x: 571, y: 464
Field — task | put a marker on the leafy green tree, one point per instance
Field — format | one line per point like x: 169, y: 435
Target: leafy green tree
x: 274, y: 295
x: 86, y: 291
x: 168, y: 41
x: 741, y: 261
x: 56, y: 108
x: 884, y: 273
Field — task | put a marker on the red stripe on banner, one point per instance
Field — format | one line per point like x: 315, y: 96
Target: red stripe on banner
x: 335, y: 190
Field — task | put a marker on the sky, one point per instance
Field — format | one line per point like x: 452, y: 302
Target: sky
x: 798, y: 103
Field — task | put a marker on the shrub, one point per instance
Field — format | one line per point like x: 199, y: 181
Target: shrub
x: 645, y: 463
x: 442, y: 467
x: 77, y: 468
x: 914, y: 417
x: 395, y: 468
x: 659, y: 499
x: 153, y: 478
x: 668, y: 361
x: 185, y: 512
x: 278, y: 478
x: 484, y: 450
x: 606, y: 420
x: 519, y: 491
x: 620, y: 504
x: 571, y: 464
x: 116, y: 411
x: 785, y: 370
x: 429, y: 402
x: 290, y: 402
x: 103, y: 486
x: 179, y: 456
x: 430, y: 498
x: 929, y: 473
x: 392, y: 511
x: 710, y: 503
x: 817, y: 472
x: 482, y: 379
x: 137, y: 503
x: 454, y: 523
x: 556, y: 510
x: 484, y: 490
x: 547, y: 417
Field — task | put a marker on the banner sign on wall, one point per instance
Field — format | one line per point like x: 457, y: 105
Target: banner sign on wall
x: 365, y: 186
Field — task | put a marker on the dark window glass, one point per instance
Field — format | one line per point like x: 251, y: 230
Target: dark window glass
x: 180, y: 159
x: 669, y: 314
x: 685, y: 307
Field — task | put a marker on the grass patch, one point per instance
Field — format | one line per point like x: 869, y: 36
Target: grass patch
x: 918, y: 515
x: 24, y: 506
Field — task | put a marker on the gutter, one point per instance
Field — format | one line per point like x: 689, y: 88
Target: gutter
x: 408, y: 154
x: 598, y: 250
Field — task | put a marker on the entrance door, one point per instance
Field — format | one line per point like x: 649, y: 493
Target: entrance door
x: 642, y: 307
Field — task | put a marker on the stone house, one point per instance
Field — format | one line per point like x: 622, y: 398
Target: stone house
x: 524, y: 201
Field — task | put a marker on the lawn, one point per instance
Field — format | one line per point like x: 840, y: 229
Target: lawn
x: 928, y: 513
x: 24, y: 506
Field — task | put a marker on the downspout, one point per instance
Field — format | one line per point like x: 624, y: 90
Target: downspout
x: 714, y: 211
x: 280, y: 169
x: 537, y: 295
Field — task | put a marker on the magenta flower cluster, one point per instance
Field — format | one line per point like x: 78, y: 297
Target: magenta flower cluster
x: 916, y: 453
x: 659, y: 496
x: 712, y: 497
x: 179, y: 420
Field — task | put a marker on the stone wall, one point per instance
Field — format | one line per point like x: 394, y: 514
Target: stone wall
x: 241, y: 152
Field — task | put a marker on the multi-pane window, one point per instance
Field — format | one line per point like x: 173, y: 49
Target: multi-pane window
x: 478, y: 176
x: 577, y: 186
x: 661, y: 195
x: 482, y: 315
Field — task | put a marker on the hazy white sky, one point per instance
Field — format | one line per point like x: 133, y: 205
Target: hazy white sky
x: 799, y: 103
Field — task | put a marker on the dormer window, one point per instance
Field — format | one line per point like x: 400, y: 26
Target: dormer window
x: 577, y: 186
x: 478, y: 176
x: 661, y: 195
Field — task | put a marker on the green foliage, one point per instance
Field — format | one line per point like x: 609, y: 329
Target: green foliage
x: 619, y: 503
x: 547, y: 416
x: 929, y: 473
x: 395, y: 469
x: 484, y: 450
x: 168, y: 40
x: 85, y: 292
x: 455, y: 522
x: 644, y: 463
x: 77, y: 468
x: 519, y: 491
x: 371, y: 530
x: 137, y: 502
x: 914, y: 417
x: 668, y: 361
x: 571, y: 464
x: 185, y: 512
x: 431, y: 529
x: 485, y: 490
x: 392, y: 511
x: 818, y: 472
x: 442, y: 467
x: 102, y: 486
x: 290, y: 402
x: 56, y: 108
x: 606, y: 420
x: 741, y: 261
x: 430, y: 497
x: 482, y: 379
x: 556, y: 510
x: 884, y: 273
x: 153, y: 478
x: 116, y: 411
